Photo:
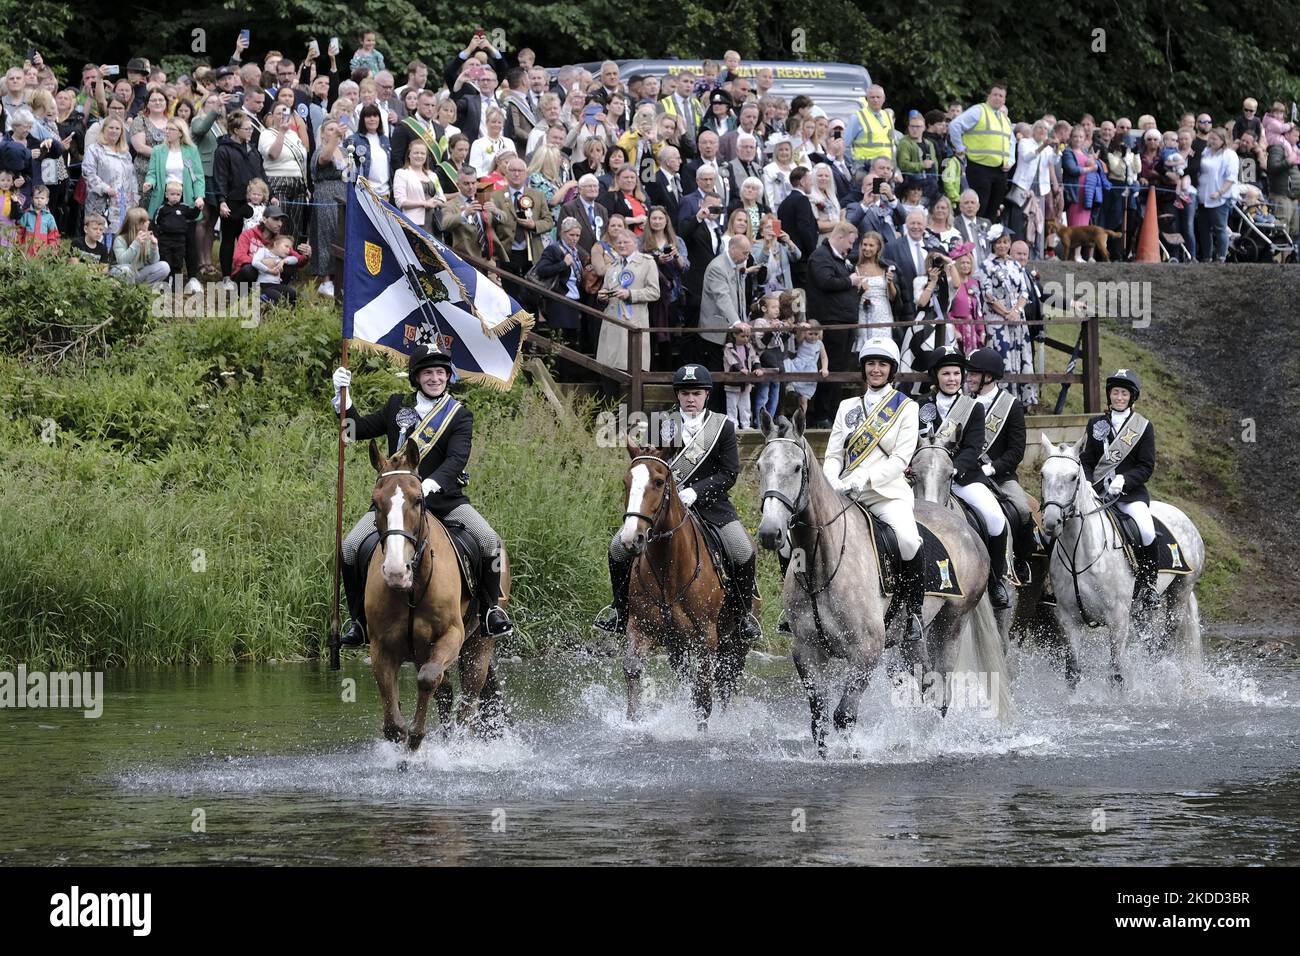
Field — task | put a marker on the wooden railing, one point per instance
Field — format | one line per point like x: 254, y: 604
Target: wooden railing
x: 1085, y: 349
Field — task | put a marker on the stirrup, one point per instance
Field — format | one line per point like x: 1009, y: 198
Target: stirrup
x: 607, y: 621
x: 497, y: 622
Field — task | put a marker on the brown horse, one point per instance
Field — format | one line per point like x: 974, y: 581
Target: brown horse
x: 675, y: 595
x: 419, y: 609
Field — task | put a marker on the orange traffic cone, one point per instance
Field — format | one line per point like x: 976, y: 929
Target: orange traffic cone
x: 1149, y: 239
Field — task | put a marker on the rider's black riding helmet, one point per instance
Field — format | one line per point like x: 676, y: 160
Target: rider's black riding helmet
x: 1125, y: 378
x: 692, y: 376
x: 423, y: 357
x: 986, y: 361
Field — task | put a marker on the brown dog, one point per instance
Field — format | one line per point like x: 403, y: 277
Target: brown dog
x: 1090, y: 239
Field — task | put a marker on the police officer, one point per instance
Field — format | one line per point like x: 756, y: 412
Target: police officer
x: 443, y: 429
x: 1118, y: 459
x: 706, y: 467
x: 871, y: 444
x: 958, y: 418
x: 1004, y: 445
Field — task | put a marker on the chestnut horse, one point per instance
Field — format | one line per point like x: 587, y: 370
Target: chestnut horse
x: 675, y: 596
x: 419, y: 610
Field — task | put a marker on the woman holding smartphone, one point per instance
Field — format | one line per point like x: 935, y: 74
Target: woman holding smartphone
x: 661, y: 242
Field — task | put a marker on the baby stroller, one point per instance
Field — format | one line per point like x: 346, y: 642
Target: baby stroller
x: 1257, y: 235
x: 1172, y: 246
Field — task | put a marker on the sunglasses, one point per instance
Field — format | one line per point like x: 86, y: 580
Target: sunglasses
x: 1203, y: 122
x: 1248, y: 111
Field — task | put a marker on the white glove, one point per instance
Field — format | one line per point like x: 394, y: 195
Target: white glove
x: 988, y: 470
x: 840, y: 485
x: 342, y: 379
x: 430, y: 487
x: 688, y: 496
x: 1116, y: 485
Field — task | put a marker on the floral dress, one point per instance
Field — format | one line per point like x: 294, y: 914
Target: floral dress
x: 1004, y: 282
x: 154, y: 137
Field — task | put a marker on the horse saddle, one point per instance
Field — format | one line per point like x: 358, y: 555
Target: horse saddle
x: 467, y: 551
x: 976, y: 521
x: 1168, y: 551
x: 713, y: 541
x: 940, y: 572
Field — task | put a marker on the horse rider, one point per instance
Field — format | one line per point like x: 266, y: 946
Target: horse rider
x: 443, y: 430
x: 1118, y: 459
x: 1004, y: 445
x: 871, y: 444
x: 705, y: 469
x: 958, y: 418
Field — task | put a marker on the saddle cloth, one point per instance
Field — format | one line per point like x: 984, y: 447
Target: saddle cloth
x: 940, y: 572
x: 1168, y: 550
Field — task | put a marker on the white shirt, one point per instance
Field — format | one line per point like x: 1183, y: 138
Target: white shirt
x: 988, y: 398
x: 946, y: 402
x: 175, y: 164
x: 378, y: 160
x: 691, y: 424
x: 918, y: 255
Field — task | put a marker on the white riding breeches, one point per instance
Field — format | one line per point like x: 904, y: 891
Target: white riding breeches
x: 1140, y: 512
x: 979, y: 497
x: 897, y: 513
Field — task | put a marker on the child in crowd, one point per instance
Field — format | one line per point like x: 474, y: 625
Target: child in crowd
x: 11, y: 209
x: 256, y: 195
x: 135, y: 251
x: 91, y: 247
x: 914, y: 199
x: 37, y: 228
x: 172, y: 225
x: 740, y: 356
x: 269, y: 261
x: 770, y: 345
x: 810, y: 356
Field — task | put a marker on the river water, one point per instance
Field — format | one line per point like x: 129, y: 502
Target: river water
x: 270, y: 764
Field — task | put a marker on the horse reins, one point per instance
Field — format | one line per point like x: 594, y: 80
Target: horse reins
x: 420, y: 544
x: 665, y: 607
x: 1069, y: 510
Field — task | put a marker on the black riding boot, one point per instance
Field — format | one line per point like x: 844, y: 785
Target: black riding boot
x: 913, y: 584
x: 1145, y: 599
x: 613, y: 619
x: 998, y: 595
x: 496, y: 621
x: 742, y: 592
x: 354, y: 589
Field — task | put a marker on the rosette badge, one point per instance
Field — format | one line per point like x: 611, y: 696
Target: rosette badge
x: 526, y: 205
x: 625, y: 279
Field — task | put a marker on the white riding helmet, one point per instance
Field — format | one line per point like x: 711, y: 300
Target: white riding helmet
x: 880, y: 348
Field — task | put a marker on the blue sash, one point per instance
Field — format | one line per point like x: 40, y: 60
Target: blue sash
x: 862, y: 441
x: 427, y: 432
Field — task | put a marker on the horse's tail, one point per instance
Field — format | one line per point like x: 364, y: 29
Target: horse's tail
x: 981, y: 652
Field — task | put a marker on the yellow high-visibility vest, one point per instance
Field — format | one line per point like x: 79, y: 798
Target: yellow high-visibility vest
x: 988, y: 142
x: 873, y: 139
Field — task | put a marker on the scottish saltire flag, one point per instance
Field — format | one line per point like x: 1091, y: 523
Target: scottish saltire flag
x: 403, y: 288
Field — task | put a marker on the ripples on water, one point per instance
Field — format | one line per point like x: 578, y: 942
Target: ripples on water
x: 1180, y: 758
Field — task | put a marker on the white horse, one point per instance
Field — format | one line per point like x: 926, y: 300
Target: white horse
x: 1091, y: 576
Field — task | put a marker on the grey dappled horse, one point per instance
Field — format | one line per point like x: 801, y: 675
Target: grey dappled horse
x: 832, y: 595
x: 1091, y: 576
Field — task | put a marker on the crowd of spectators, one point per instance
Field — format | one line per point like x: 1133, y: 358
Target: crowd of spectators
x: 699, y: 199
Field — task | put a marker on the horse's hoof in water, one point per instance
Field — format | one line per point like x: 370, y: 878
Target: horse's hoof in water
x: 843, y: 722
x: 1117, y: 681
x: 394, y: 733
x: 413, y: 742
x: 701, y: 726
x: 403, y: 766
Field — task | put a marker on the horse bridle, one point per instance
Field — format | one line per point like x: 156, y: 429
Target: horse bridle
x: 420, y: 542
x: 797, y: 505
x: 651, y: 535
x: 1068, y: 511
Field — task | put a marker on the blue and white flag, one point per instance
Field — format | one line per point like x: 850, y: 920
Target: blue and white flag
x: 403, y: 288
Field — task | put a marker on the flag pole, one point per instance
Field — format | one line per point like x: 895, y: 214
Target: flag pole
x: 334, y: 639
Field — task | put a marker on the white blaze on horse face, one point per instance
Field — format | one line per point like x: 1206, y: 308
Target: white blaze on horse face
x: 394, y: 567
x: 635, y: 495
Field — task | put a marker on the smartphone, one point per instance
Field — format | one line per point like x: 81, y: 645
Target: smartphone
x: 875, y: 186
x: 313, y: 48
x: 334, y: 46
x: 31, y: 54
x: 480, y: 32
x: 112, y: 69
x: 838, y: 134
x: 716, y: 210
x: 243, y: 36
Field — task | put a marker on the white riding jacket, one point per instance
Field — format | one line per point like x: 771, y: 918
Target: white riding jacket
x: 880, y: 475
